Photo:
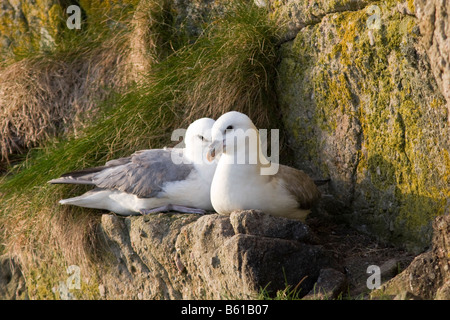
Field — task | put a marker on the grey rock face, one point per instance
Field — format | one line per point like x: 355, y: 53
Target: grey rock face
x: 257, y: 223
x: 187, y: 257
x: 435, y: 29
x: 364, y: 104
x: 428, y: 276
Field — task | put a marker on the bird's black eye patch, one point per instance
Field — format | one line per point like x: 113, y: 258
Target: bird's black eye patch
x: 230, y: 128
x: 201, y: 137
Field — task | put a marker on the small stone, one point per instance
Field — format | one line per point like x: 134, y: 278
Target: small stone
x: 406, y: 295
x: 257, y: 223
x: 329, y: 285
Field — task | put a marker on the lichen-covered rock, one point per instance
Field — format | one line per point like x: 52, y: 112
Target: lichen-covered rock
x: 295, y: 15
x: 186, y: 257
x: 28, y: 25
x: 435, y: 29
x: 33, y: 26
x: 191, y: 15
x: 362, y: 106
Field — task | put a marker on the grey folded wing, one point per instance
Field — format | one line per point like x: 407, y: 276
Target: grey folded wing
x: 144, y: 174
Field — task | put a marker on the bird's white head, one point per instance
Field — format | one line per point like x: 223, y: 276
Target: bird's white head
x: 197, y: 139
x: 232, y: 134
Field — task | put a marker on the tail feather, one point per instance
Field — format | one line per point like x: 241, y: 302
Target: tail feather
x: 85, y: 176
x: 91, y: 199
x: 84, y: 172
x: 70, y: 180
x: 78, y: 177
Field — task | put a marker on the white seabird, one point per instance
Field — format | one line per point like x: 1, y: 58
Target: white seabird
x: 150, y: 181
x: 239, y: 185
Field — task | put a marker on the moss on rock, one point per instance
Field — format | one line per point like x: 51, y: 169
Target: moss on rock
x: 29, y: 27
x: 367, y: 105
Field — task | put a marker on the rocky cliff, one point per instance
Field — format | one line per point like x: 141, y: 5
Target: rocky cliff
x: 362, y: 91
x: 427, y: 277
x: 212, y: 257
x: 33, y: 26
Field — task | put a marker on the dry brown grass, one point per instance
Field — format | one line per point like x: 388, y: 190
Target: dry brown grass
x: 42, y: 96
x: 51, y: 238
x: 145, y: 41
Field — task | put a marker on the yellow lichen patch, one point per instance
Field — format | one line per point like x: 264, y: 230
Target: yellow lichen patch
x: 446, y: 171
x: 14, y: 31
x: 370, y: 76
x: 55, y: 15
x: 44, y: 18
x: 29, y: 27
x: 411, y: 6
x: 61, y: 282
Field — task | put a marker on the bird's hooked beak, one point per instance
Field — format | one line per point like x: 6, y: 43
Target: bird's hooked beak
x: 215, y: 149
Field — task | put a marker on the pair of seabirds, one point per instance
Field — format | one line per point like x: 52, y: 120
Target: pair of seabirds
x: 204, y: 177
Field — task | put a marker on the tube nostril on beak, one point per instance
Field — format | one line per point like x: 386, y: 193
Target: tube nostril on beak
x: 211, y: 155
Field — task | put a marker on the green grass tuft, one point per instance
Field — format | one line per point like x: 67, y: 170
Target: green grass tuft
x: 230, y: 66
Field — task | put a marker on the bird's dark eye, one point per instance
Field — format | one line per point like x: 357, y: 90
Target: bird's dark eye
x: 230, y: 128
x: 201, y: 137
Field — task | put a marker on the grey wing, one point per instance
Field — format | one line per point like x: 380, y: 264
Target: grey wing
x: 144, y: 175
x: 86, y: 176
